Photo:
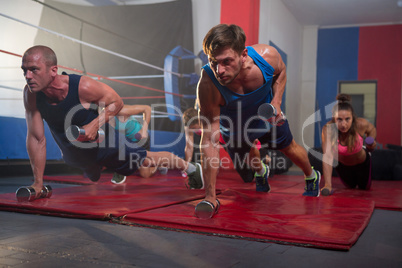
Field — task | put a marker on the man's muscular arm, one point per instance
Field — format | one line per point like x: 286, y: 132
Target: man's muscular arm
x: 209, y: 112
x: 91, y: 91
x: 36, y: 141
x: 272, y: 56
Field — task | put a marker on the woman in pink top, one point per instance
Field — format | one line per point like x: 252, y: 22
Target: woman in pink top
x: 342, y: 144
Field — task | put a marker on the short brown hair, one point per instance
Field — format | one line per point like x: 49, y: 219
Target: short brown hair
x: 224, y: 35
x: 190, y: 117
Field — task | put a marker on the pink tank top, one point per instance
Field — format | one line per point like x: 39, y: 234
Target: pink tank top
x: 343, y: 150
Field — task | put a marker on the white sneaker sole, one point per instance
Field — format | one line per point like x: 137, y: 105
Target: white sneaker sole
x: 122, y: 181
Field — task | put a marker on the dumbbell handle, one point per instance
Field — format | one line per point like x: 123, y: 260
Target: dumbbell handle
x: 75, y: 133
x: 28, y: 193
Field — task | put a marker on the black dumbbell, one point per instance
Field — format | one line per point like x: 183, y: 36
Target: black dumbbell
x: 75, y: 133
x: 28, y: 193
x: 267, y: 112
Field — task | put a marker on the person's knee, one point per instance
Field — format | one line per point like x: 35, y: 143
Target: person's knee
x: 145, y: 172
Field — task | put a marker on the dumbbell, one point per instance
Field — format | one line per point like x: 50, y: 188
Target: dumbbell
x: 138, y: 136
x: 27, y: 193
x: 267, y: 111
x: 206, y: 210
x: 75, y: 133
x: 369, y: 140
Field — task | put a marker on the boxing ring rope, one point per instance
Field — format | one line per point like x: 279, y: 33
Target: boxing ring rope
x: 100, y: 77
x: 97, y: 27
x: 91, y: 45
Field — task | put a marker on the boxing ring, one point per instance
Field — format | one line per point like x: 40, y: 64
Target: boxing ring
x: 163, y: 202
x: 166, y: 102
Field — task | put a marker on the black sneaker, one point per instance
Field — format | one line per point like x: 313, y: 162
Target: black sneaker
x: 261, y: 182
x: 312, y: 187
x: 195, y: 179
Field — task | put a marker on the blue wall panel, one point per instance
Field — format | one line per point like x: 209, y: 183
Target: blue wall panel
x: 337, y: 60
x: 13, y: 134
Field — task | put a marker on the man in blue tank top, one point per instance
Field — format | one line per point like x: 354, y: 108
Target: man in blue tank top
x: 65, y: 100
x: 233, y: 85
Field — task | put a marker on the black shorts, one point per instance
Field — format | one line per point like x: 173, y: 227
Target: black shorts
x: 116, y: 153
x: 358, y: 175
x: 277, y: 138
x: 120, y: 154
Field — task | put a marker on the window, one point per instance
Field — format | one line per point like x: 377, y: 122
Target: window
x: 364, y: 97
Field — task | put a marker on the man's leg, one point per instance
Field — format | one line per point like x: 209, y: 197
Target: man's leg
x: 261, y: 170
x: 239, y: 158
x: 147, y: 172
x: 169, y: 160
x: 298, y: 155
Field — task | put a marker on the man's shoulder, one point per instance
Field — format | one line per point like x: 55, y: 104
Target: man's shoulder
x: 205, y: 79
x: 265, y: 51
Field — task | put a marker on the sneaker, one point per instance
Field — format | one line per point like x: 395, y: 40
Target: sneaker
x: 313, y: 185
x: 118, y: 178
x: 163, y: 170
x: 261, y: 181
x: 195, y: 179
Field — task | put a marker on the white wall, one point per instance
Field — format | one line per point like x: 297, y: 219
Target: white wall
x: 308, y: 84
x: 278, y: 25
x: 15, y: 37
x: 206, y: 14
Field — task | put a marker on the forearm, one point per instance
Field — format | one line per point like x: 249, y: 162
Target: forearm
x: 107, y: 112
x: 278, y: 89
x: 327, y: 166
x: 372, y: 133
x: 188, y: 153
x: 146, y: 117
x: 210, y: 165
x: 37, y: 155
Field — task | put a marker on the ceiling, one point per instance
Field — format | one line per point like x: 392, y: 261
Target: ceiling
x: 323, y: 13
x: 345, y: 12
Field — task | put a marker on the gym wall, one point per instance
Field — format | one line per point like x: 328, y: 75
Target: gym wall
x: 359, y: 54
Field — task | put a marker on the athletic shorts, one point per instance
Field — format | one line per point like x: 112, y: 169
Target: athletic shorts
x: 358, y: 175
x: 116, y: 153
x: 277, y: 138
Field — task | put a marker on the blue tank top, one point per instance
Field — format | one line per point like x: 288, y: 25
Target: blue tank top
x: 56, y: 115
x: 242, y: 109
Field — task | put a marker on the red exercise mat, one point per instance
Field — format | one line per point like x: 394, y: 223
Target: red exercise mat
x: 101, y: 201
x: 334, y: 223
